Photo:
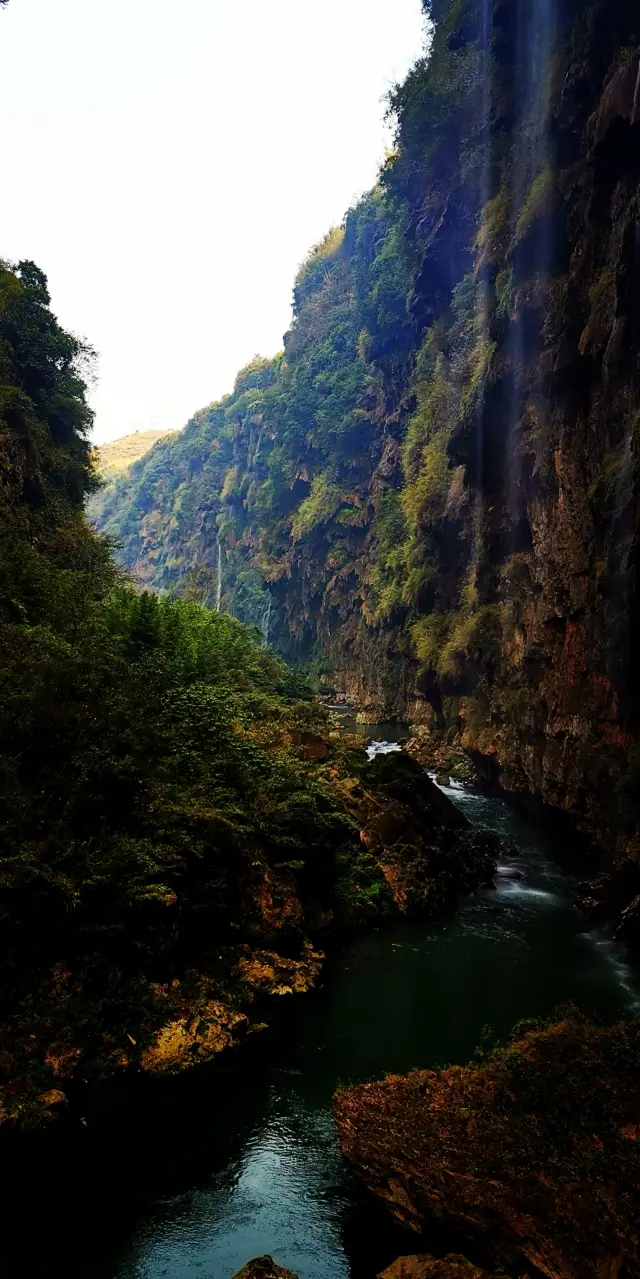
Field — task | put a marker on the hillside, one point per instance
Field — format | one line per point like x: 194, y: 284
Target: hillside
x: 116, y: 456
x: 430, y: 495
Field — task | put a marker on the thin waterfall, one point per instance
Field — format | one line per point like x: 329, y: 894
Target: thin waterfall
x: 483, y: 303
x: 532, y: 245
x: 265, y: 625
x: 256, y: 453
x: 219, y: 581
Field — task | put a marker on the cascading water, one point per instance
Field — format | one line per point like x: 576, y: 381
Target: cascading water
x: 265, y: 625
x: 256, y: 453
x: 219, y: 579
x: 483, y: 304
x: 532, y: 245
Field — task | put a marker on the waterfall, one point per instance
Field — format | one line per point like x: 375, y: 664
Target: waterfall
x: 532, y: 245
x: 256, y: 453
x: 484, y: 296
x: 265, y: 625
x: 219, y: 582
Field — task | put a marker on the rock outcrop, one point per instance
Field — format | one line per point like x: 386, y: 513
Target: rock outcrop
x: 532, y: 1155
x: 613, y: 900
x: 423, y: 1266
x: 263, y: 1268
x: 419, y: 1267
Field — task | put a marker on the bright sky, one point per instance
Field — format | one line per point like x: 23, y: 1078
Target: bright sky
x: 168, y: 163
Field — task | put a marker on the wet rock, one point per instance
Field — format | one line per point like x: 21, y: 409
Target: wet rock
x: 401, y: 778
x: 426, y: 850
x: 423, y: 1266
x: 531, y: 1155
x: 614, y: 899
x: 264, y: 1268
x: 620, y: 100
x: 628, y: 929
x: 428, y: 746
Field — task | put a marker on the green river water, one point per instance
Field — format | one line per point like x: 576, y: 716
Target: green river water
x: 193, y: 1182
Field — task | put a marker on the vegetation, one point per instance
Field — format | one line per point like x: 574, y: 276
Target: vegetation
x: 158, y: 764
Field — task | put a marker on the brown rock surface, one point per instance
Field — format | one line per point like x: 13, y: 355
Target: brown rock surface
x: 263, y: 1268
x: 423, y: 1266
x: 531, y: 1155
x: 266, y: 973
x: 193, y: 1039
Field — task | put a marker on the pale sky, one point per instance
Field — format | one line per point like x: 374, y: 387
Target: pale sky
x: 168, y: 163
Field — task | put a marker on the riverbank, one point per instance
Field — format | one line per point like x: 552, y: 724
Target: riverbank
x: 382, y: 841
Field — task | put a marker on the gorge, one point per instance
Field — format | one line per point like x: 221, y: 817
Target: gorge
x: 432, y: 491
x: 333, y: 693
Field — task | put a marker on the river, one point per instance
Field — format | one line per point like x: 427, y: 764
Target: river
x: 207, y: 1176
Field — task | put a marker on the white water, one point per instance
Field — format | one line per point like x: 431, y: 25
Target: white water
x: 219, y: 582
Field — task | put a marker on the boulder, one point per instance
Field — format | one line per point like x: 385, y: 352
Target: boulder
x: 423, y: 1266
x: 427, y: 851
x: 614, y: 899
x: 264, y: 1268
x: 531, y: 1155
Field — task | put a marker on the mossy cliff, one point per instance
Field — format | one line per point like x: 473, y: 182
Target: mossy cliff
x: 430, y: 496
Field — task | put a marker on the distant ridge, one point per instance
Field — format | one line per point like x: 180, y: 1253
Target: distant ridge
x: 117, y: 455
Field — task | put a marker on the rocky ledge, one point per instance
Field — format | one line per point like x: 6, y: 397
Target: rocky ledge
x: 532, y: 1155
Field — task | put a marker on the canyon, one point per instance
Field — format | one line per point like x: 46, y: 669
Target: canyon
x: 422, y: 511
x: 429, y: 498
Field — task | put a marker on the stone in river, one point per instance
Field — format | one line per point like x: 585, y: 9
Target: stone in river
x: 264, y: 1268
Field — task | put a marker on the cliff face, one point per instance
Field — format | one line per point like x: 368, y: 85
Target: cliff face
x: 431, y: 495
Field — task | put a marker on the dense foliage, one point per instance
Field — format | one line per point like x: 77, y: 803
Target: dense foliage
x: 154, y: 757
